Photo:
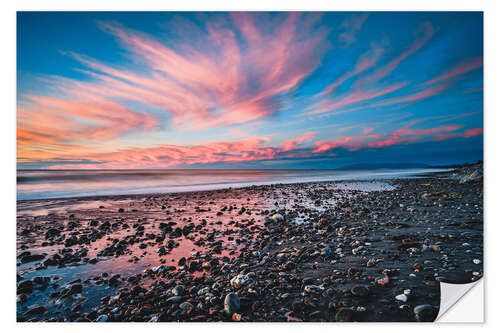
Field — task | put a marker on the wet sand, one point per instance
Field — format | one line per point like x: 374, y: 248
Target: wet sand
x: 329, y: 251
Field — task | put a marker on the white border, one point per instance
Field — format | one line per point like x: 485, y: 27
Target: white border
x: 8, y: 89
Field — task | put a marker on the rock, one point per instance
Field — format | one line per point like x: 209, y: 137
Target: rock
x: 384, y: 281
x: 436, y: 248
x: 102, y: 318
x: 231, y: 303
x: 326, y: 251
x: 22, y: 298
x: 476, y: 261
x: 277, y: 218
x: 203, y: 291
x: 37, y: 310
x: 76, y: 289
x: 32, y: 257
x: 474, y: 175
x: 402, y: 298
x: 424, y: 312
x: 313, y: 289
x: 344, y: 315
x: 175, y: 299
x: 360, y: 290
x: 371, y: 262
x: 186, y: 307
x: 52, y: 233
x: 25, y: 287
x: 240, y: 281
x: 179, y: 290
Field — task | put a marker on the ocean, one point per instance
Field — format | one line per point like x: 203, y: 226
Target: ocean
x: 51, y: 184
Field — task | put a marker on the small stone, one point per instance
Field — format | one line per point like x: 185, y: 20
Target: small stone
x: 102, y: 318
x: 178, y: 290
x: 402, y: 298
x: 277, y: 218
x: 424, y: 312
x: 175, y: 299
x: 35, y: 311
x: 344, y: 315
x: 360, y: 290
x: 231, y: 303
x: 239, y: 281
x: 203, y: 291
x: 186, y: 307
x: 436, y: 248
x: 313, y: 289
x: 476, y: 261
x: 383, y: 281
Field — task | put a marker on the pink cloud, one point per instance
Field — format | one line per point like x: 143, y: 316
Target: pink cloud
x: 424, y: 33
x: 415, y: 97
x: 351, y: 25
x: 366, y: 61
x: 462, y: 68
x: 252, y: 149
x: 407, y: 131
x: 331, y: 104
x: 293, y: 144
x: 466, y: 134
x: 234, y: 72
x: 223, y: 84
x: 325, y: 145
x: 401, y: 136
x: 47, y: 126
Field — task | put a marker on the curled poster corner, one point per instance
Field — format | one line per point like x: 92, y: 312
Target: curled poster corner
x: 461, y: 302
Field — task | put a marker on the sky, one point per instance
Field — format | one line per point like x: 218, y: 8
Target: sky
x: 299, y: 90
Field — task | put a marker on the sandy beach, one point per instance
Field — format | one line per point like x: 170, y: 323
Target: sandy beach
x: 320, y: 251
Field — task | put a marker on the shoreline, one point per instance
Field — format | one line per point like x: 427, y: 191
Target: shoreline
x: 138, y: 195
x: 288, y: 252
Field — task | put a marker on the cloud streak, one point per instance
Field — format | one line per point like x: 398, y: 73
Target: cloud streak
x: 260, y: 149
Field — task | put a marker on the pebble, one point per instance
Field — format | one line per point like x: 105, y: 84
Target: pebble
x: 277, y: 218
x: 239, y: 281
x: 102, y: 318
x: 344, y: 315
x: 179, y: 290
x: 360, y: 290
x: 297, y: 272
x: 313, y: 289
x: 424, y: 312
x: 231, y: 303
x: 384, y: 281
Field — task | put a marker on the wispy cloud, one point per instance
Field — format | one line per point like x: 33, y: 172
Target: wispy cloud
x: 398, y: 137
x: 462, y: 68
x: 351, y: 27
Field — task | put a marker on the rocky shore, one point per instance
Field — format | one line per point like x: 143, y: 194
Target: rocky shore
x: 331, y: 251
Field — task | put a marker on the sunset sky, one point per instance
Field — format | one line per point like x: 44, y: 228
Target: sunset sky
x: 248, y: 90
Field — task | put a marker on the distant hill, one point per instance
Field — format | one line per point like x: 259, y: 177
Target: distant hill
x: 372, y: 166
x: 454, y: 166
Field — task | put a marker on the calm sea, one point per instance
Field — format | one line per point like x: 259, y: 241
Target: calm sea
x: 44, y: 184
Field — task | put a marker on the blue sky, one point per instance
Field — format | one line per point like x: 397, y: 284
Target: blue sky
x: 248, y: 90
